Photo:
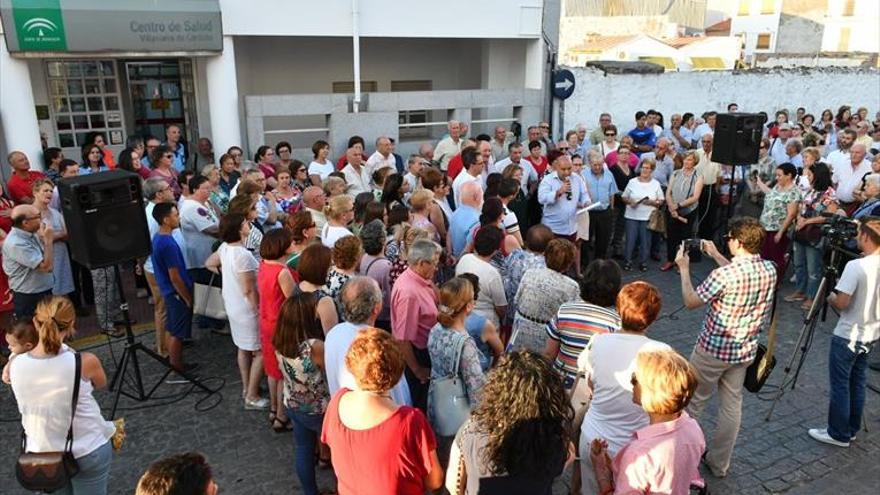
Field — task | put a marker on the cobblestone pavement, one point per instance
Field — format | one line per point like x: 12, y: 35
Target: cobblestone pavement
x: 249, y: 458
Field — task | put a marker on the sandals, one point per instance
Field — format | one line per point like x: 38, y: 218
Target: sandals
x: 795, y: 297
x: 279, y: 425
x: 322, y: 462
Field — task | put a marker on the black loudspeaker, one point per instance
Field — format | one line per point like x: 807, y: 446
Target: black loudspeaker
x: 105, y: 218
x: 737, y: 138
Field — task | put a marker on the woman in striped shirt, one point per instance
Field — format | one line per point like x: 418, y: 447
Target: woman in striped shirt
x: 576, y: 322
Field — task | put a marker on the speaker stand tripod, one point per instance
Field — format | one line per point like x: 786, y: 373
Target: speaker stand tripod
x: 130, y: 359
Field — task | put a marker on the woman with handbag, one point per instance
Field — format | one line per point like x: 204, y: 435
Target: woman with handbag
x: 642, y: 196
x: 379, y: 447
x: 682, y: 198
x: 44, y: 383
x: 808, y: 237
x: 517, y: 440
x: 455, y: 361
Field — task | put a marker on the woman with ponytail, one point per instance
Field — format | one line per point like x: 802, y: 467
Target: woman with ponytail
x: 450, y: 334
x: 43, y: 383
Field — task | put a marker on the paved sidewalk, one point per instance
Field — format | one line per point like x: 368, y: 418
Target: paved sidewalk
x: 249, y: 458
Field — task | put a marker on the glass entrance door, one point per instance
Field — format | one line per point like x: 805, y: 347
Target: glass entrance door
x: 161, y: 94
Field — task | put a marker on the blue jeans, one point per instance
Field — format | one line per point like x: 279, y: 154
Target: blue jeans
x: 847, y: 397
x: 807, y: 268
x: 306, y: 430
x: 94, y: 473
x: 637, y: 231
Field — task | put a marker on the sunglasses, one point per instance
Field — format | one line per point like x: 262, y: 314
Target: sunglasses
x: 609, y: 134
x: 544, y: 127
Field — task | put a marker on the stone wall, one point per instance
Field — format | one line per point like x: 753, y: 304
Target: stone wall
x: 754, y: 90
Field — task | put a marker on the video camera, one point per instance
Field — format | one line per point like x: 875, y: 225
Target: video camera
x: 839, y: 229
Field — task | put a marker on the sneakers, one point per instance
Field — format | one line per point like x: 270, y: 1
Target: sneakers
x: 627, y: 267
x: 821, y: 435
x: 256, y: 405
x: 643, y: 267
x: 667, y: 266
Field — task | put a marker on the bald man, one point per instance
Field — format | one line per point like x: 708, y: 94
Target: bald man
x: 315, y: 200
x: 27, y: 260
x: 356, y: 175
x: 382, y: 157
x: 450, y: 145
x: 20, y: 185
x: 465, y: 216
x: 847, y: 177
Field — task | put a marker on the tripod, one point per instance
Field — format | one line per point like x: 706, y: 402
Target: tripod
x: 808, y: 330
x: 130, y: 358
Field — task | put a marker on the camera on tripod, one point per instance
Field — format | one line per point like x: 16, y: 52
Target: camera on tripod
x: 839, y: 230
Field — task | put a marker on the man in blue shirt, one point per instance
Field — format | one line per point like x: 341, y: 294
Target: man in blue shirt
x: 643, y: 136
x: 465, y: 216
x: 174, y: 283
x: 602, y: 188
x: 172, y: 139
x: 561, y: 196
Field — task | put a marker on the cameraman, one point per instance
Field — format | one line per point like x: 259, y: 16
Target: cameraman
x: 857, y: 297
x: 739, y: 294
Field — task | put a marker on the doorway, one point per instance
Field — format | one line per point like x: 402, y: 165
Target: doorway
x: 162, y: 93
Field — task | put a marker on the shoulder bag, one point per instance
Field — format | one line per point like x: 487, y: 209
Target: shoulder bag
x: 208, y: 300
x: 759, y: 371
x: 657, y: 220
x: 50, y: 471
x: 449, y: 397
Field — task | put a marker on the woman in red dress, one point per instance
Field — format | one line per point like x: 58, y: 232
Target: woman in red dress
x: 6, y: 206
x: 275, y: 283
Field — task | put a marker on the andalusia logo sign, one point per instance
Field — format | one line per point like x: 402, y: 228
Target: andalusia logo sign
x: 39, y: 25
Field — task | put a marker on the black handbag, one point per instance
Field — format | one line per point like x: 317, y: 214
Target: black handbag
x: 759, y: 371
x: 50, y: 471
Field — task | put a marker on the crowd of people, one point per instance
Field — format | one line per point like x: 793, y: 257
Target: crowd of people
x: 457, y: 317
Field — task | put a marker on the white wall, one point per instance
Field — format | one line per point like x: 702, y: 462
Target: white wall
x: 384, y: 18
x: 696, y: 92
x: 290, y: 65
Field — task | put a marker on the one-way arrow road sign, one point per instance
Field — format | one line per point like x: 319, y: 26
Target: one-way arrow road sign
x: 563, y: 83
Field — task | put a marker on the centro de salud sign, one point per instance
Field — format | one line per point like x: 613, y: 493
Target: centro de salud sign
x: 101, y: 26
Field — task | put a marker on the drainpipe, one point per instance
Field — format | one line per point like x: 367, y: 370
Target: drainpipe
x: 356, y: 40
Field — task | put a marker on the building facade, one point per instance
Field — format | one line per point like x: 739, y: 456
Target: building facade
x: 264, y: 71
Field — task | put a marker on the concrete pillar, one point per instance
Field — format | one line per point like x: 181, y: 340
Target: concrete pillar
x: 535, y: 64
x: 223, y: 101
x: 18, y: 115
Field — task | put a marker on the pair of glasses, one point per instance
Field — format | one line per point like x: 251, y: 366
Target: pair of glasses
x: 610, y: 134
x: 168, y: 156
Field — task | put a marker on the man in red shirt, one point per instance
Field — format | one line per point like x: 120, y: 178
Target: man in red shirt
x: 455, y: 164
x: 20, y: 185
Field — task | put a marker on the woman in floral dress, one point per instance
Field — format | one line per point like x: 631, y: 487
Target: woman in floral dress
x: 540, y: 294
x: 299, y: 347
